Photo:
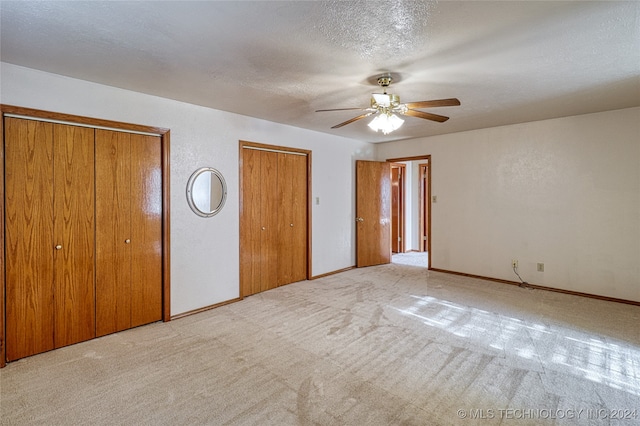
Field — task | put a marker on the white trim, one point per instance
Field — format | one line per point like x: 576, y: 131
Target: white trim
x: 71, y: 123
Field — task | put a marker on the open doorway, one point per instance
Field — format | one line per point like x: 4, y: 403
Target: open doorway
x: 412, y: 246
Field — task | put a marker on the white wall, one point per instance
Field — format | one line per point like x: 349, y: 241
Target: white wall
x: 564, y: 192
x: 205, y: 251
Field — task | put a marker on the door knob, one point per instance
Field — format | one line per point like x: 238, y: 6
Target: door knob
x: 58, y: 247
x: 359, y: 219
x: 263, y: 228
x: 127, y: 241
x: 291, y: 225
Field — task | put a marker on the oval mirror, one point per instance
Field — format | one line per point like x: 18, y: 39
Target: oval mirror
x: 206, y: 192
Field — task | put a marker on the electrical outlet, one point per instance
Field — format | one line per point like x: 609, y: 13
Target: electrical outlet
x: 514, y: 263
x: 540, y: 267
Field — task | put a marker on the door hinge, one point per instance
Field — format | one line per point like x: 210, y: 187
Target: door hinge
x: 424, y: 238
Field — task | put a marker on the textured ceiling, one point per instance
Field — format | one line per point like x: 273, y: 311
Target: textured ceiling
x: 507, y: 62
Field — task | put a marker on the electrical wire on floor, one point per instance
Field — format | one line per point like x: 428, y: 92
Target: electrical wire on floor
x: 523, y: 283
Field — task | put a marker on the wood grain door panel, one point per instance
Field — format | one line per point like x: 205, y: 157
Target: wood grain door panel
x: 373, y: 211
x: 273, y: 219
x: 250, y: 223
x: 52, y: 234
x: 29, y: 237
x: 74, y: 227
x: 286, y: 226
x: 113, y: 215
x: 269, y: 210
x: 146, y: 230
x: 129, y: 210
x: 292, y: 218
x: 300, y: 213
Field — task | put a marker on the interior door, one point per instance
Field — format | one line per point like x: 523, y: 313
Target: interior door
x: 129, y: 231
x: 49, y: 235
x: 373, y: 213
x: 146, y: 229
x: 259, y: 221
x: 29, y: 237
x: 113, y: 207
x: 292, y: 218
x: 74, y: 230
x: 250, y: 222
x: 268, y: 232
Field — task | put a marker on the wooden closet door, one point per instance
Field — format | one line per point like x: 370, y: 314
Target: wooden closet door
x: 74, y: 231
x: 146, y: 229
x: 292, y: 218
x: 300, y: 202
x: 259, y: 222
x: 28, y: 237
x: 250, y: 223
x: 268, y: 231
x: 286, y: 177
x: 113, y: 216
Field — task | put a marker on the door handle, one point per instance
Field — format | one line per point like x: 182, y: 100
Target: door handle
x: 359, y: 219
x: 58, y: 247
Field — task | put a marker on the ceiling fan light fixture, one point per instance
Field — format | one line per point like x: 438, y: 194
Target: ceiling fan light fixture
x: 387, y: 100
x: 385, y: 108
x: 386, y: 123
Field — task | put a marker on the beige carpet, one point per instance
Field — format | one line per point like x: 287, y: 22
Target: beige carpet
x: 411, y: 258
x: 385, y: 345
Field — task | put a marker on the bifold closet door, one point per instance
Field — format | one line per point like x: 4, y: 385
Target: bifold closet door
x: 146, y: 229
x: 129, y: 231
x: 259, y: 233
x: 29, y: 237
x: 74, y: 230
x: 113, y: 215
x: 292, y: 218
x: 49, y: 231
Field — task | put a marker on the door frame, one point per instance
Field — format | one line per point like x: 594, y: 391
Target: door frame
x: 273, y: 148
x: 165, y: 137
x: 426, y: 157
x: 425, y: 196
x: 402, y: 176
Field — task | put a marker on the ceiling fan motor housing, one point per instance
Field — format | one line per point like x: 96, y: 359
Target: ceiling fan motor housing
x: 384, y: 81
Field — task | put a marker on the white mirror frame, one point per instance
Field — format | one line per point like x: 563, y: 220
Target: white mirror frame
x: 192, y: 181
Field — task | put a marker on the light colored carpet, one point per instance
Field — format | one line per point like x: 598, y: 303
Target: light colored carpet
x: 385, y: 345
x: 411, y: 258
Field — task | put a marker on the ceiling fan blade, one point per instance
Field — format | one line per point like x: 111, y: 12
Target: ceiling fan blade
x: 433, y: 103
x: 352, y: 120
x: 426, y: 115
x: 340, y: 109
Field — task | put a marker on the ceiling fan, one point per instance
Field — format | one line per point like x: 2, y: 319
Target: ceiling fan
x: 385, y: 105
